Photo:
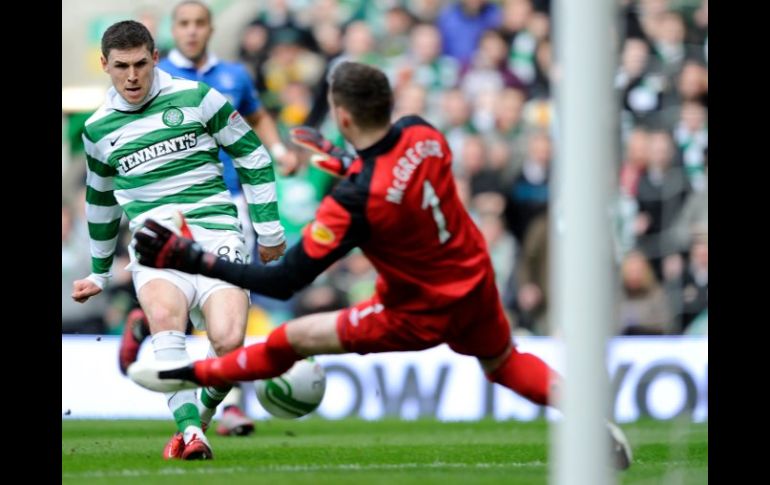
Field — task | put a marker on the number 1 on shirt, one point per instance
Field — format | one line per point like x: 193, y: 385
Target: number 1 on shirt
x: 429, y: 198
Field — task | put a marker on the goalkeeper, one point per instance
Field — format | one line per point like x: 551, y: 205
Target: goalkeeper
x: 399, y: 204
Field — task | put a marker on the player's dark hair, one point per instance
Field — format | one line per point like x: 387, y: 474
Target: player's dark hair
x: 364, y: 91
x: 127, y: 34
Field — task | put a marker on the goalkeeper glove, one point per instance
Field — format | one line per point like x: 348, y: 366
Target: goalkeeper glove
x: 330, y: 158
x: 158, y: 247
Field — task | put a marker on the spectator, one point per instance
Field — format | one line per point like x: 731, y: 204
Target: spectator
x: 461, y: 24
x: 643, y: 307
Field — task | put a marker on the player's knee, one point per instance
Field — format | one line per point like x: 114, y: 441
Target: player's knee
x: 491, y: 365
x: 227, y: 343
x: 163, y: 318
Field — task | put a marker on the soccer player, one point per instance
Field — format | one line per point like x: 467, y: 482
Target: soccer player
x: 399, y: 204
x: 152, y: 153
x: 190, y: 59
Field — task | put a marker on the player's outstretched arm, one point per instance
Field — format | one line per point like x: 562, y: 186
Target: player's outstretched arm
x: 159, y: 247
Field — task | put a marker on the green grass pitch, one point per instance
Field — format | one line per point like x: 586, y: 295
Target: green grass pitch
x: 315, y: 451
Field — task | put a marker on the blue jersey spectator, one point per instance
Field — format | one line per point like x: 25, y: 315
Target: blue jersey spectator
x: 230, y: 79
x: 461, y: 25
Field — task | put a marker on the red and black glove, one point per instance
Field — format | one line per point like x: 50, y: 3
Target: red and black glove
x: 158, y: 247
x: 333, y: 159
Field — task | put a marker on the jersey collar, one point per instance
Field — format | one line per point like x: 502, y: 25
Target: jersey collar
x: 176, y: 58
x: 383, y: 145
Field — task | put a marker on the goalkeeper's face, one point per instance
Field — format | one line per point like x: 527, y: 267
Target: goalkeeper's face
x: 131, y: 71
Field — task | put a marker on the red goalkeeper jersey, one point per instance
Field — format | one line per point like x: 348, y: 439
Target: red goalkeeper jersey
x: 399, y: 204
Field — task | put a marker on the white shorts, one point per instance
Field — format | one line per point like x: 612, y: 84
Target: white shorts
x: 196, y: 288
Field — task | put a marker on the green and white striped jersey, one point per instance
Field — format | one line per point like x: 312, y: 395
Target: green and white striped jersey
x: 162, y: 157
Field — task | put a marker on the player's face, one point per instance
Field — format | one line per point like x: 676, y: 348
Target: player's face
x: 191, y: 30
x: 131, y: 71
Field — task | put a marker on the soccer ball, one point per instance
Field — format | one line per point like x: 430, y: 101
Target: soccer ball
x: 294, y: 394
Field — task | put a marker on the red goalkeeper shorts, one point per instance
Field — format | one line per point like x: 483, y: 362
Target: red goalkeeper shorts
x: 475, y: 325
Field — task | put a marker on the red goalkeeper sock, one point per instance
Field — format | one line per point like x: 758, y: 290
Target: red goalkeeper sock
x: 259, y: 361
x: 526, y: 374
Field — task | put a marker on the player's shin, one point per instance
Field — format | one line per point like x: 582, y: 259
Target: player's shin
x: 211, y: 397
x: 170, y: 346
x: 526, y: 374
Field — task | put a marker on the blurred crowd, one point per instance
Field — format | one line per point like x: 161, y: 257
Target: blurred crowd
x: 482, y: 72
